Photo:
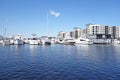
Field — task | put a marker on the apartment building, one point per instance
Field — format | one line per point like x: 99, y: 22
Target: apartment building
x: 77, y: 32
x: 95, y: 29
x: 118, y: 32
x: 101, y: 31
x: 62, y: 34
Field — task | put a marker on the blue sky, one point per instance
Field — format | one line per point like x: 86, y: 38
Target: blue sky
x: 30, y: 16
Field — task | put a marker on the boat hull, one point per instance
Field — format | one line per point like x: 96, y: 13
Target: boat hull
x: 18, y: 42
x: 69, y: 43
x: 33, y: 42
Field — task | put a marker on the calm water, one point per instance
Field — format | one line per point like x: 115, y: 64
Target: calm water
x: 60, y: 62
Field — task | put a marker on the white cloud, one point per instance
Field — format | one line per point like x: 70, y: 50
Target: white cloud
x: 54, y: 13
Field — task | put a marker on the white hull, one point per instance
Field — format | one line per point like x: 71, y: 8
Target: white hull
x: 69, y: 42
x: 1, y: 41
x: 116, y: 42
x: 8, y: 42
x: 102, y: 41
x: 33, y: 42
x: 52, y: 42
x: 18, y: 42
x: 83, y: 41
x: 42, y: 42
x: 60, y: 41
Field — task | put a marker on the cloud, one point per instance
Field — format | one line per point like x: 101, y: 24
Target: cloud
x: 54, y: 13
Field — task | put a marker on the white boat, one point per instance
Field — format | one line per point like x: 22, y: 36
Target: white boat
x: 60, y: 41
x: 52, y: 40
x: 7, y: 41
x: 102, y: 41
x: 42, y: 41
x: 11, y: 40
x: 45, y: 40
x: 18, y: 40
x: 83, y: 41
x: 66, y: 41
x: 69, y: 41
x: 116, y: 41
x: 1, y: 41
x: 33, y: 40
x: 26, y: 40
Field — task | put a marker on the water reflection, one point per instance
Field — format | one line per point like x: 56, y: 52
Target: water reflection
x: 102, y: 53
x: 82, y: 50
x: 18, y: 46
x: 117, y: 52
x: 15, y: 47
x: 68, y: 49
x: 33, y: 49
x: 97, y: 53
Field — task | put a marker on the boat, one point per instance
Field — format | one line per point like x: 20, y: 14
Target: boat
x: 1, y: 41
x: 102, y: 41
x: 33, y: 40
x: 51, y: 40
x: 60, y: 41
x: 115, y: 42
x: 48, y: 43
x: 26, y: 40
x: 69, y: 41
x: 83, y: 41
x: 8, y: 41
x: 43, y: 40
x: 18, y: 40
x: 46, y: 40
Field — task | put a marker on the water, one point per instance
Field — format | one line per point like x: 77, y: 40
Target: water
x: 60, y: 62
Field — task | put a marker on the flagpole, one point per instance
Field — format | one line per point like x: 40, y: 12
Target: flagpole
x: 5, y: 34
x: 47, y: 24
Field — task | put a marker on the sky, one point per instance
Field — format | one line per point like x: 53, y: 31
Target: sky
x: 41, y: 17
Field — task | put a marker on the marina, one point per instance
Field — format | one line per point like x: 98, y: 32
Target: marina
x: 18, y: 40
x: 59, y: 40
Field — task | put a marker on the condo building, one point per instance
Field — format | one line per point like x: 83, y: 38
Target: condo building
x: 72, y: 34
x: 61, y: 34
x: 101, y: 31
x: 118, y: 33
x: 77, y: 32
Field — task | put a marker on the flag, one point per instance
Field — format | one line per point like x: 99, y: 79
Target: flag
x: 54, y: 13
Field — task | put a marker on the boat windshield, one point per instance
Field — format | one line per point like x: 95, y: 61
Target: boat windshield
x: 82, y: 40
